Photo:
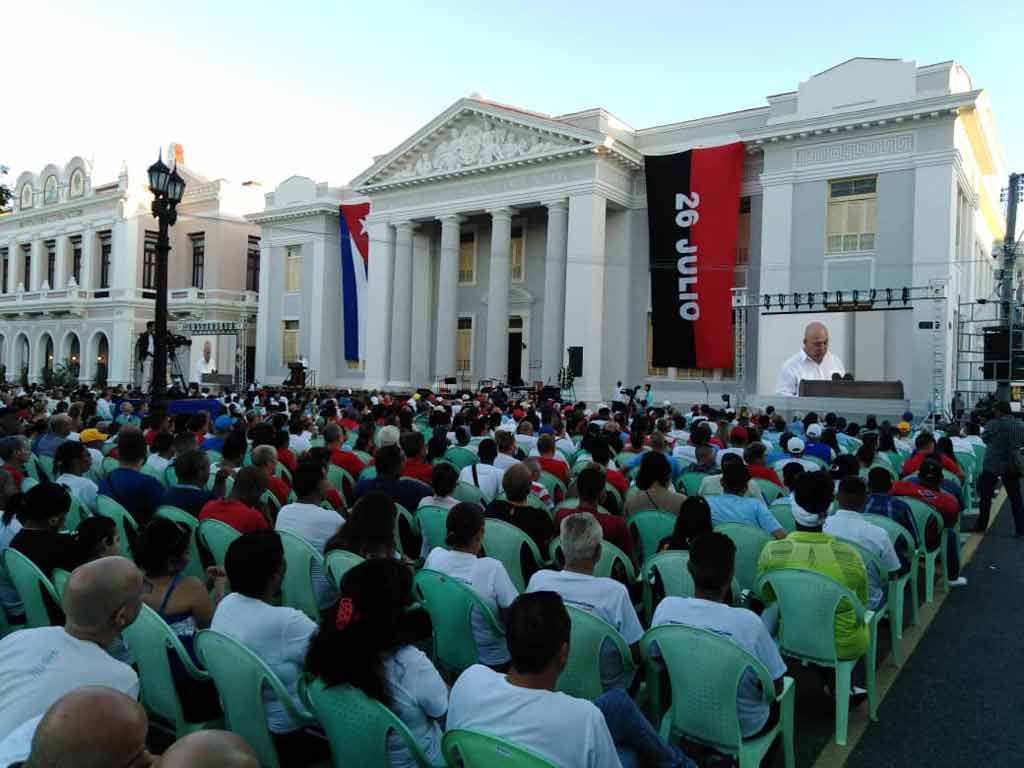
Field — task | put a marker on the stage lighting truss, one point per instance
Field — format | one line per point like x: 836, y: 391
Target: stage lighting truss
x: 854, y: 300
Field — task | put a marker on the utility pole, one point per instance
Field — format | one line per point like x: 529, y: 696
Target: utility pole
x: 1006, y: 311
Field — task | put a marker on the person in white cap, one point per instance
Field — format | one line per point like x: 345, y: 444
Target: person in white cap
x: 795, y: 449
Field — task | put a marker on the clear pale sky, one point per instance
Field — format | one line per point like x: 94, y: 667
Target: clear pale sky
x: 262, y: 91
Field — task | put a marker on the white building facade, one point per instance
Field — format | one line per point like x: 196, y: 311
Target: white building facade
x: 501, y: 237
x: 78, y: 268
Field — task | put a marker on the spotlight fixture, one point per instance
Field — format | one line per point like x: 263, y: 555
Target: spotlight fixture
x: 906, y: 295
x: 767, y: 301
x: 888, y: 295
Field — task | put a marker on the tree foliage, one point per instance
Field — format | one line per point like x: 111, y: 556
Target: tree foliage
x: 5, y: 192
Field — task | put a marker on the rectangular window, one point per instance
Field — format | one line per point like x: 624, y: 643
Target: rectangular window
x: 106, y: 250
x: 293, y: 268
x: 51, y: 262
x: 252, y: 264
x: 517, y: 257
x: 464, y: 345
x: 76, y: 259
x: 851, y: 222
x: 467, y: 258
x: 5, y: 259
x: 289, y: 341
x: 651, y: 369
x: 198, y: 258
x: 149, y: 261
x: 26, y: 276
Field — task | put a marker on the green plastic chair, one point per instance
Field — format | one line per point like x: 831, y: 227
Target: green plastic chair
x: 433, y: 525
x: 150, y: 639
x: 461, y: 457
x: 648, y: 529
x: 450, y: 604
x: 807, y: 609
x: 216, y: 457
x: 704, y: 672
x: 670, y: 569
x: 109, y: 464
x: 338, y: 477
x: 552, y: 484
x: 170, y: 476
x: 156, y: 474
x: 180, y: 516
x: 46, y: 464
x: 297, y: 587
x: 749, y: 541
x: 712, y: 486
x: 74, y: 515
x: 690, y: 482
x: 873, y: 562
x: 368, y: 473
x: 401, y: 513
x: 504, y: 541
x: 901, y: 538
x: 471, y: 749
x: 28, y: 483
x: 60, y: 580
x: 216, y: 537
x: 127, y: 528
x: 769, y: 490
x: 357, y: 727
x: 922, y: 512
x: 469, y: 492
x: 612, y: 492
x: 581, y: 676
x: 338, y: 562
x: 240, y: 676
x: 782, y: 511
x: 31, y: 584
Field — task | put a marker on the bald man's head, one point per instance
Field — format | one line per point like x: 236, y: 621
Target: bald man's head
x: 102, y: 597
x: 210, y: 749
x: 816, y: 341
x: 91, y: 727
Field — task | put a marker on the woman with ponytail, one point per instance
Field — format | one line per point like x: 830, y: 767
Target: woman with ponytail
x: 41, y: 513
x: 485, y: 575
x: 70, y: 464
x: 366, y: 642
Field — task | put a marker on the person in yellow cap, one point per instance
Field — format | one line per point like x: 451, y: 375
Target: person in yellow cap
x: 93, y: 439
x: 903, y: 444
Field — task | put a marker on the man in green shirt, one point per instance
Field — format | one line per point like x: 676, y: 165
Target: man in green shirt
x: 807, y: 548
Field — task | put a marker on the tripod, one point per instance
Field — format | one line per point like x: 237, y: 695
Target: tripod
x: 565, y: 382
x: 177, y: 375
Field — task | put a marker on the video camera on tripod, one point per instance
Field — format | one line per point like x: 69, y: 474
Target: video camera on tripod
x: 175, y: 341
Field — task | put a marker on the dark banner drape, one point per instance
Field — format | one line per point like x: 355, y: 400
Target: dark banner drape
x: 693, y: 201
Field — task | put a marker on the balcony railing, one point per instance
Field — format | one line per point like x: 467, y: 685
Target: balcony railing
x: 68, y: 299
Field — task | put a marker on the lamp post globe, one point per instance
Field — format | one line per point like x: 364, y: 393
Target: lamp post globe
x: 168, y: 189
x: 158, y: 177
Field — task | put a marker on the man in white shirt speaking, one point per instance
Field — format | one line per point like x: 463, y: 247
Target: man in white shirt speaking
x: 814, y: 362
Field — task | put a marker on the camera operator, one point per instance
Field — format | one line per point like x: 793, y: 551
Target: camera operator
x: 145, y: 351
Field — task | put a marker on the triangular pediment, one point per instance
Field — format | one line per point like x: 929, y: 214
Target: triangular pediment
x: 474, y: 136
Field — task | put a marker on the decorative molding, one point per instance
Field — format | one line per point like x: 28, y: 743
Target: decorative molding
x: 851, y: 151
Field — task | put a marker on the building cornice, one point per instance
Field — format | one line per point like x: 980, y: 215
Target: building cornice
x: 291, y: 212
x: 61, y: 211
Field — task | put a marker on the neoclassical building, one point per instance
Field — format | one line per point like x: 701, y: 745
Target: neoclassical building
x: 78, y: 267
x: 500, y: 237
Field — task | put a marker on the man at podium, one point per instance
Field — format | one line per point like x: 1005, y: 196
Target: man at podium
x: 814, y: 362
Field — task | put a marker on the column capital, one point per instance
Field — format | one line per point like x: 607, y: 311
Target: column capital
x: 404, y: 226
x: 559, y: 203
x: 452, y: 218
x: 504, y: 212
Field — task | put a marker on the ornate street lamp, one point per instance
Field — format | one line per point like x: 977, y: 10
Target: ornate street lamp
x: 168, y: 188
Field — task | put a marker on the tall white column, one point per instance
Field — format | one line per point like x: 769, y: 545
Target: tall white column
x: 379, y: 290
x: 447, y: 294
x: 552, y: 352
x: 496, y: 354
x: 35, y: 278
x: 776, y: 248
x: 262, y: 313
x: 88, y: 259
x: 322, y: 337
x: 60, y: 272
x: 13, y: 256
x: 584, y: 289
x: 422, y: 301
x: 401, y: 306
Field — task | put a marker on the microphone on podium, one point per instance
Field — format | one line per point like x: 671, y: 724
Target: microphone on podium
x: 836, y: 377
x: 848, y: 377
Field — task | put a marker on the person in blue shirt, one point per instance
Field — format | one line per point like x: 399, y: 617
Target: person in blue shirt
x: 881, y: 503
x: 139, y: 494
x: 222, y: 428
x: 48, y: 442
x: 189, y: 493
x: 733, y: 506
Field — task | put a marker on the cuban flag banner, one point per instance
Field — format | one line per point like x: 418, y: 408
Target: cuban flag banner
x: 355, y: 251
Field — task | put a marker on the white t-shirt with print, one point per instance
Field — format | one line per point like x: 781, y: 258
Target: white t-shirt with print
x: 489, y: 579
x: 566, y: 731
x: 316, y: 525
x: 278, y: 635
x: 419, y: 697
x: 605, y: 598
x: 742, y: 627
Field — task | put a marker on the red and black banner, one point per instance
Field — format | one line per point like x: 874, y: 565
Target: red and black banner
x: 693, y: 201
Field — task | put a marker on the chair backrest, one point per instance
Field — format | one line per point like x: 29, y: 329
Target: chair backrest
x: 769, y: 490
x: 872, y: 563
x: 749, y: 541
x: 28, y: 483
x: 31, y: 584
x: 433, y: 523
x: 504, y: 541
x: 401, y: 513
x: 648, y: 529
x: 170, y: 476
x: 807, y: 608
x: 180, y: 516
x: 691, y: 482
x: 469, y: 492
x: 552, y: 483
x: 611, y: 556
x: 450, y: 604
x: 460, y: 457
x: 900, y: 537
x: 127, y: 528
x: 782, y: 511
x: 156, y: 474
x: 240, y: 675
x: 149, y: 639
x: 46, y: 462
x: 922, y: 513
x: 357, y: 726
x: 216, y: 537
x: 74, y: 516
x: 339, y: 562
x: 581, y: 676
x: 704, y: 670
x: 297, y: 587
x: 712, y: 486
x: 472, y: 749
x: 670, y: 567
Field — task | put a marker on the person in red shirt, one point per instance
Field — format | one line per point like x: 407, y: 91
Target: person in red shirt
x: 549, y: 461
x: 415, y: 465
x: 590, y: 487
x: 265, y: 457
x: 334, y: 435
x: 928, y: 489
x: 243, y: 511
x: 15, y: 451
x: 925, y: 445
x: 754, y: 455
x: 601, y: 454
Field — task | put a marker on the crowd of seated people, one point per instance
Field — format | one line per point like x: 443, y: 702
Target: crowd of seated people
x: 351, y: 472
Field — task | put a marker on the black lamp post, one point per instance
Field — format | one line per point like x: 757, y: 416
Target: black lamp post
x: 167, y: 188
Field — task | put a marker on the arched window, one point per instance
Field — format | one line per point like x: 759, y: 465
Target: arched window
x: 76, y: 187
x: 51, y: 191
x: 26, y: 196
